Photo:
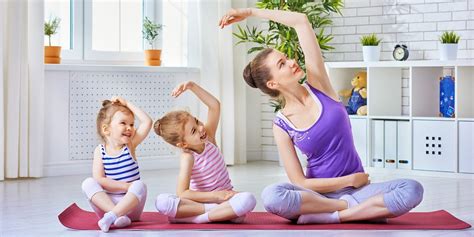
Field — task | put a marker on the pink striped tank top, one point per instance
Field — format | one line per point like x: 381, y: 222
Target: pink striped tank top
x: 209, y: 171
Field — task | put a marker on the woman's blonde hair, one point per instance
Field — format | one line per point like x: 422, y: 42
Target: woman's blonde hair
x: 106, y: 113
x: 171, y: 126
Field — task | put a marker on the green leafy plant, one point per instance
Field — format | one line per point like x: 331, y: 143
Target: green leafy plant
x: 449, y: 38
x: 51, y: 27
x: 150, y: 31
x: 370, y: 40
x: 284, y: 38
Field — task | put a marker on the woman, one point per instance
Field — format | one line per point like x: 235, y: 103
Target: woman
x: 335, y: 188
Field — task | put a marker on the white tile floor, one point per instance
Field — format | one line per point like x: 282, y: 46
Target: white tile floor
x: 30, y: 207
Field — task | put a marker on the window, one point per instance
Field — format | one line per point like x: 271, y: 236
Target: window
x: 110, y: 31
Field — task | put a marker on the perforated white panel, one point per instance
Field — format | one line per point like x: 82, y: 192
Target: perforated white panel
x: 148, y: 91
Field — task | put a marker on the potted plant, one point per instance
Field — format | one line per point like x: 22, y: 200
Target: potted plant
x: 284, y: 38
x: 370, y: 47
x: 448, y: 47
x: 150, y: 32
x: 52, y: 54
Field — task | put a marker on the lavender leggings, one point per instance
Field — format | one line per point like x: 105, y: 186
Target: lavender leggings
x: 400, y: 196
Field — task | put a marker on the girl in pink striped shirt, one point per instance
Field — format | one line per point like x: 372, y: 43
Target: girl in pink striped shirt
x: 204, y: 192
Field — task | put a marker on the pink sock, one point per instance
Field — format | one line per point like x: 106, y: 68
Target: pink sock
x: 319, y: 218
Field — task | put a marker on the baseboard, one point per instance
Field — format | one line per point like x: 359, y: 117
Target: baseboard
x: 85, y: 166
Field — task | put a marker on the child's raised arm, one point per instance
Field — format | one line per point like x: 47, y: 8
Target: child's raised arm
x: 213, y: 105
x: 145, y: 121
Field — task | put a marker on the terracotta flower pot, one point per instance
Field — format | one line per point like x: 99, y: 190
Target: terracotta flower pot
x: 52, y: 54
x: 153, y: 57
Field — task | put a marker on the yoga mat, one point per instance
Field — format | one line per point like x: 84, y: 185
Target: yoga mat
x: 76, y: 218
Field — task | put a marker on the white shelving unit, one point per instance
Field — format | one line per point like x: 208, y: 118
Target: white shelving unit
x: 402, y: 129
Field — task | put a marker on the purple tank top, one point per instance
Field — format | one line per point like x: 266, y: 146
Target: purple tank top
x: 328, y: 143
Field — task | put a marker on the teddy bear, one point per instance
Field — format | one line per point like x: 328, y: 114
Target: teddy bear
x: 357, y: 103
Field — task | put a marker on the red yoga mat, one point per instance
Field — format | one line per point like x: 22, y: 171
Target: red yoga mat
x: 76, y: 218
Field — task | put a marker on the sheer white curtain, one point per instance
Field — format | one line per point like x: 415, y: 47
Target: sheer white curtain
x: 213, y: 54
x: 22, y: 88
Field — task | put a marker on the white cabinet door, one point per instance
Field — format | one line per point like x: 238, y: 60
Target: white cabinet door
x: 390, y: 144
x: 404, y: 145
x: 359, y: 132
x: 466, y: 147
x: 434, y: 145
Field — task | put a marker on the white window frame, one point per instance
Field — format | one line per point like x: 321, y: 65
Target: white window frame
x: 76, y: 53
x: 90, y: 55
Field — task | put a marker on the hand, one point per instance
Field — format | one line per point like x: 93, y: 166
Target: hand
x: 118, y: 99
x: 182, y: 88
x: 234, y: 15
x: 358, y: 180
x: 222, y: 196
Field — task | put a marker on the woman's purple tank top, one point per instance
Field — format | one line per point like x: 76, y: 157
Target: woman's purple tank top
x: 328, y: 143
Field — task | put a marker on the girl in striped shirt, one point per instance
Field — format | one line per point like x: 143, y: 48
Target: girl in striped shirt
x: 115, y: 190
x: 204, y: 193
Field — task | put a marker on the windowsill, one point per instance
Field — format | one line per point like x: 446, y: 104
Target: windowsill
x: 116, y: 68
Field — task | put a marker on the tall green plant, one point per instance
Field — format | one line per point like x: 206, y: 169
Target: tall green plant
x: 51, y: 27
x: 150, y: 31
x: 449, y: 38
x: 284, y: 38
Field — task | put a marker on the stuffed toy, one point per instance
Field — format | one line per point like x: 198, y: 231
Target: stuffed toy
x: 357, y: 103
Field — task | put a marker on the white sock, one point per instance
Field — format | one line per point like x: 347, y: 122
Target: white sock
x: 107, y: 221
x: 199, y: 219
x: 351, y: 202
x: 209, y: 206
x: 122, y: 221
x: 319, y: 218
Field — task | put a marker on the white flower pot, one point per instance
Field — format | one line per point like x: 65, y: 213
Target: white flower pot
x: 448, y: 52
x: 371, y: 53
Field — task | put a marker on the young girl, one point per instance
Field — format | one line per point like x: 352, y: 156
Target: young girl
x: 115, y: 187
x: 204, y: 189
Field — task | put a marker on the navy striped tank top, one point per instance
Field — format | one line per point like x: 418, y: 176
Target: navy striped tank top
x: 121, y: 167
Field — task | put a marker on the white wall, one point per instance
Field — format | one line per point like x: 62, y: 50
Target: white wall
x: 418, y: 23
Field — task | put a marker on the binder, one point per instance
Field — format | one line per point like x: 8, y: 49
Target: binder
x: 378, y: 143
x: 404, y: 145
x: 390, y: 144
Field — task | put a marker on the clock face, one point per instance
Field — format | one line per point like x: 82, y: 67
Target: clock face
x: 399, y: 53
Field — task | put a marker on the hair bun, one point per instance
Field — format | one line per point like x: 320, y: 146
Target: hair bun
x: 106, y: 103
x: 248, y: 76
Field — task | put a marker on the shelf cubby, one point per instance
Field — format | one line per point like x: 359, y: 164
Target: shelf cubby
x: 425, y: 91
x: 341, y: 78
x: 385, y: 94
